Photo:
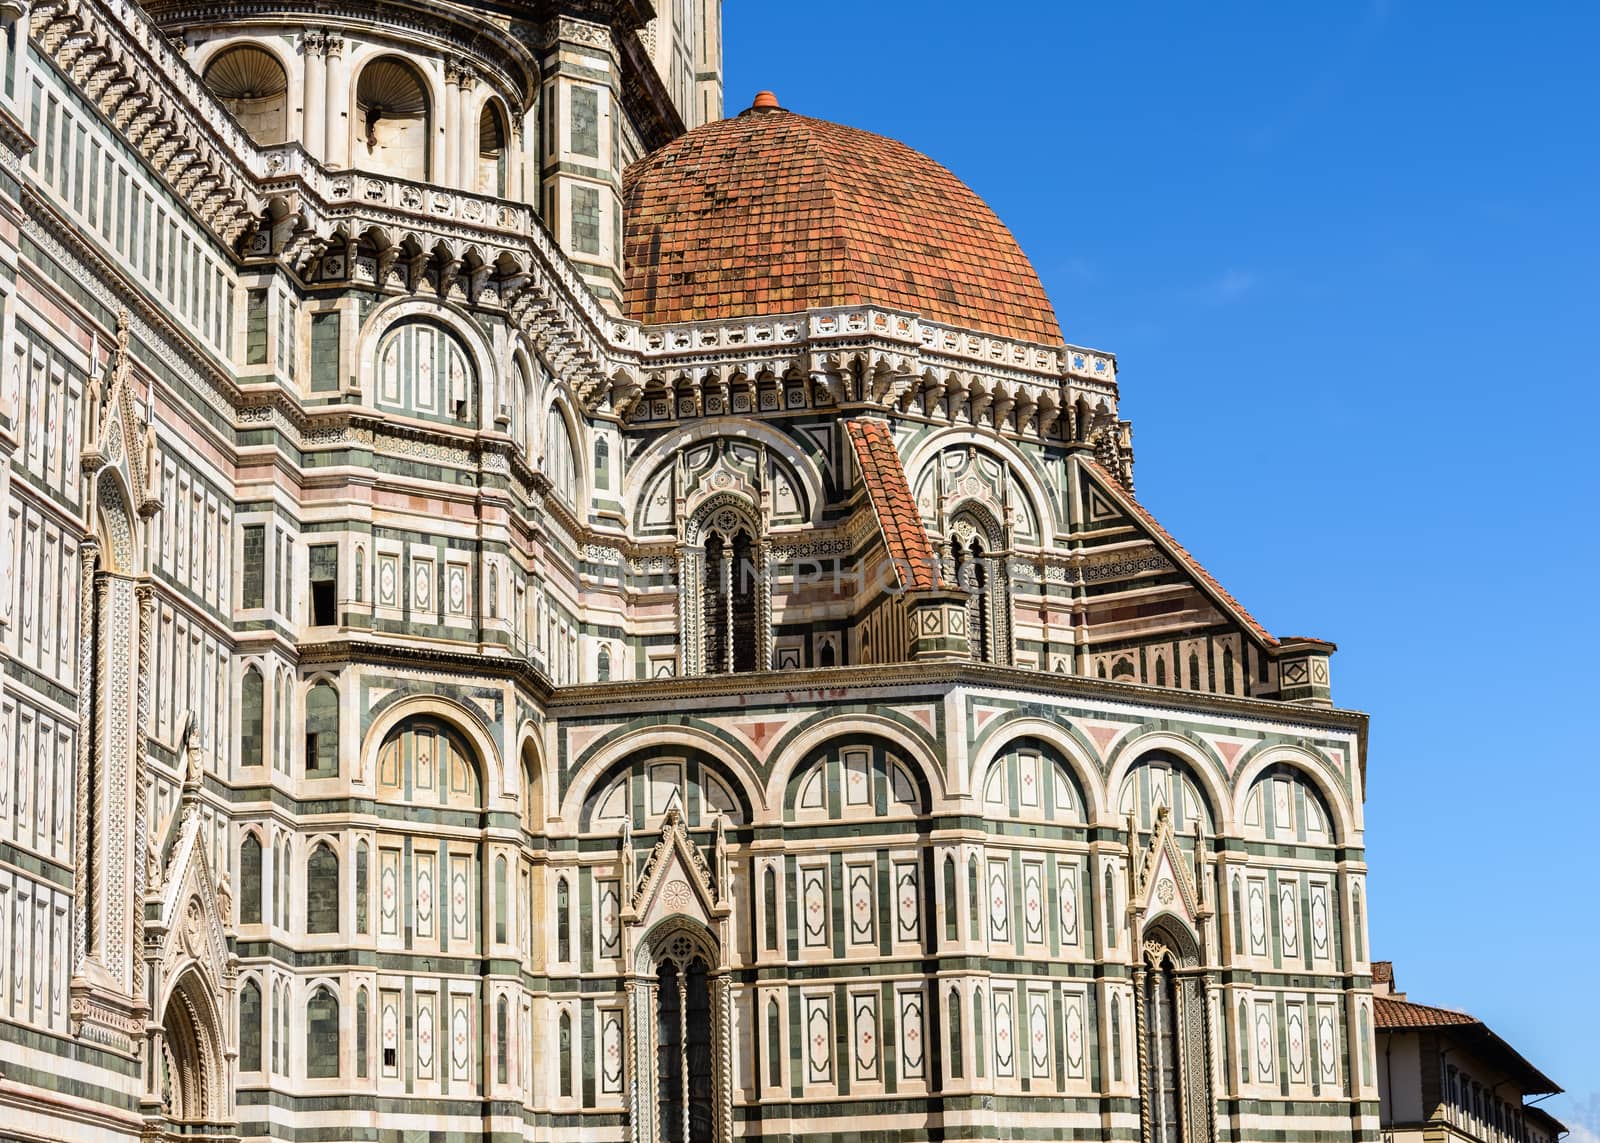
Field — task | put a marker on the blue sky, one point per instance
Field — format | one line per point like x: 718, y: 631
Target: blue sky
x: 1347, y: 257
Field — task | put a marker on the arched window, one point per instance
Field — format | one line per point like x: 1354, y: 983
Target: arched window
x: 277, y: 1058
x: 1194, y: 671
x: 392, y: 120
x: 500, y: 906
x: 1161, y: 672
x: 732, y: 585
x: 361, y: 887
x: 774, y: 1042
x: 559, y: 461
x: 492, y: 151
x: 322, y: 731
x: 979, y: 1049
x: 252, y: 731
x: 281, y: 883
x: 502, y: 1041
x: 1227, y: 670
x: 322, y: 1035
x: 1244, y: 1043
x: 954, y: 1017
x: 250, y: 1027
x: 950, y: 899
x: 977, y: 570
x: 602, y: 463
x: 770, y: 883
x: 250, y: 880
x: 975, y: 928
x: 684, y: 1046
x: 1175, y: 1083
x: 361, y: 1033
x: 564, y: 1056
x: 1111, y: 909
x: 1284, y: 805
x: 563, y: 921
x: 1116, y: 1038
x: 322, y: 891
x: 253, y: 86
x: 603, y: 667
x: 1359, y: 943
x: 424, y: 370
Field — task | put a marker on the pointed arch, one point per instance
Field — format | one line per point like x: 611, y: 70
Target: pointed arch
x: 192, y: 1080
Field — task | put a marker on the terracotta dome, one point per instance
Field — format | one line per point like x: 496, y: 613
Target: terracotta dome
x: 772, y: 212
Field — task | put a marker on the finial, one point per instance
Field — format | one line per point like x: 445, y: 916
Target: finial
x: 766, y: 101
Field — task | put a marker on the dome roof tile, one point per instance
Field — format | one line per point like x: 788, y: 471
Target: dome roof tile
x: 771, y: 212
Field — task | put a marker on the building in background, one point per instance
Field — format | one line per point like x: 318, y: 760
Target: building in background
x: 532, y: 611
x: 1444, y: 1075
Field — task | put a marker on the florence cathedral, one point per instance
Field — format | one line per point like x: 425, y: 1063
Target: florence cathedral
x: 533, y: 610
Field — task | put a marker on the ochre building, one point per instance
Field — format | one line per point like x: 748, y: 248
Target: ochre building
x: 534, y: 611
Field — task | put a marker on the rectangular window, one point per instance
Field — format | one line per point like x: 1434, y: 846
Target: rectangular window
x: 325, y: 353
x: 586, y: 122
x: 586, y: 220
x: 253, y: 591
x: 255, y: 332
x: 324, y: 562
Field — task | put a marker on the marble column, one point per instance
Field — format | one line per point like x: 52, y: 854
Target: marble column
x: 314, y: 94
x: 336, y: 97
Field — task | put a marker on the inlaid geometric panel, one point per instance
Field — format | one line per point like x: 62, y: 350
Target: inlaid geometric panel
x: 1033, y: 902
x: 1295, y: 1032
x: 461, y: 1042
x: 913, y: 1056
x: 1289, y: 918
x: 1266, y: 1057
x: 609, y: 918
x: 1039, y: 1033
x: 999, y: 899
x: 864, y: 1036
x: 1076, y: 1023
x: 426, y: 1032
x: 1327, y: 1045
x: 814, y: 906
x: 1005, y: 1033
x: 389, y: 892
x: 906, y: 902
x: 1067, y: 876
x: 1257, y: 893
x: 424, y: 893
x: 819, y: 1039
x: 611, y: 1051
x: 857, y: 778
x: 863, y: 909
x: 1321, y: 944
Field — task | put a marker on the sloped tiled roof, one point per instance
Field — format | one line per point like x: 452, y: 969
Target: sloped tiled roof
x: 771, y: 212
x: 1125, y: 500
x: 1392, y: 1015
x: 904, y: 536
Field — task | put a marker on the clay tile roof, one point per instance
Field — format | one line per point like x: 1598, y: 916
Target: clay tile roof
x: 900, y: 523
x: 1179, y: 552
x: 772, y: 212
x: 1392, y: 1015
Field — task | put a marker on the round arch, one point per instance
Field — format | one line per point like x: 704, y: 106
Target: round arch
x: 250, y: 78
x: 446, y: 314
x: 644, y: 468
x: 799, y: 746
x: 1202, y: 765
x: 601, y: 764
x: 929, y: 448
x: 393, y: 111
x: 530, y: 750
x: 560, y: 405
x: 1302, y: 762
x: 456, y: 715
x: 1077, y: 754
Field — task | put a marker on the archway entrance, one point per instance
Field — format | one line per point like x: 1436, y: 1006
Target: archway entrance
x: 189, y: 1063
x: 680, y: 1004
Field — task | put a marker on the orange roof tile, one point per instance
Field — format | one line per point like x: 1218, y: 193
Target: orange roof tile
x: 1391, y: 1013
x: 904, y: 536
x: 1192, y: 565
x: 771, y: 212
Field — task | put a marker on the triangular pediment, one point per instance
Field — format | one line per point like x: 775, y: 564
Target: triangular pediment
x: 676, y: 880
x: 1164, y: 879
x: 188, y: 922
